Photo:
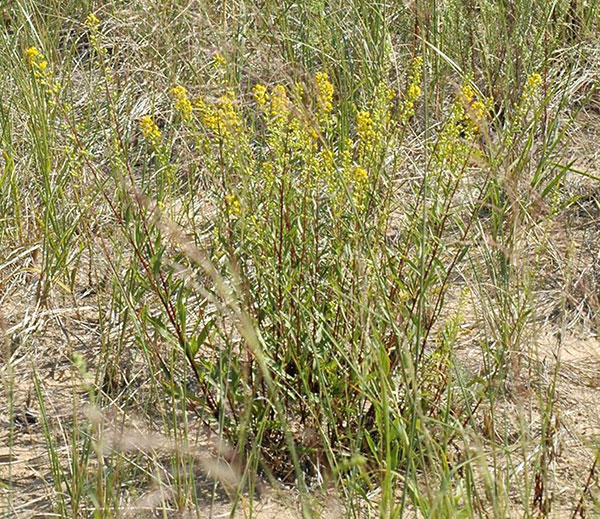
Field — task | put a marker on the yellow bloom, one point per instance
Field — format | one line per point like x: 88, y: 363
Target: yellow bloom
x: 208, y: 115
x: 528, y: 96
x: 478, y: 110
x: 94, y: 36
x: 220, y: 62
x: 364, y: 126
x: 261, y: 96
x: 279, y: 102
x: 268, y: 170
x: 150, y: 130
x: 182, y: 102
x: 39, y: 66
x: 298, y: 90
x: 414, y: 92
x: 325, y: 92
x: 92, y: 21
x: 31, y: 54
x: 227, y: 113
x: 360, y: 175
x: 347, y: 154
x: 468, y: 93
x: 233, y: 204
x: 534, y: 81
x: 222, y: 119
x: 328, y: 159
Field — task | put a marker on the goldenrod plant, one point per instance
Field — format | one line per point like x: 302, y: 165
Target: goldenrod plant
x: 312, y: 253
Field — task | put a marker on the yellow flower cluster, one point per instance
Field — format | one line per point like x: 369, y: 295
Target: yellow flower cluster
x: 534, y: 81
x: 280, y: 104
x: 364, y: 127
x: 531, y: 86
x: 268, y: 170
x: 413, y: 92
x: 360, y: 175
x: 468, y: 115
x: 220, y: 62
x: 479, y: 110
x: 321, y: 167
x: 233, y: 204
x: 356, y: 178
x: 475, y: 109
x: 275, y: 104
x: 222, y: 119
x: 208, y: 115
x: 182, y: 102
x: 38, y: 63
x: 150, y: 131
x: 347, y: 154
x: 290, y: 138
x: 35, y: 59
x: 467, y: 93
x: 261, y: 96
x: 92, y: 23
x: 522, y: 109
x: 228, y: 113
x: 325, y: 94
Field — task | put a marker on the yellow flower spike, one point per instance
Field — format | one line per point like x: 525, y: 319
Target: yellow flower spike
x: 220, y: 62
x: 279, y: 102
x: 227, y: 114
x: 150, y: 130
x: 466, y: 121
x: 299, y: 90
x: 527, y: 99
x: 39, y: 66
x: 534, y: 81
x: 261, y: 96
x: 179, y: 91
x: 233, y: 204
x: 360, y: 175
x: 208, y: 115
x: 182, y: 102
x: 364, y: 126
x: 268, y: 170
x: 325, y: 93
x: 198, y: 102
x: 414, y: 91
x: 478, y: 110
x: 347, y: 155
x: 92, y: 21
x: 532, y: 84
x: 468, y: 93
x: 328, y: 158
x: 31, y: 54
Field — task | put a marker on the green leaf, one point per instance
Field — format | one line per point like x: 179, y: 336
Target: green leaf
x: 195, y: 342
